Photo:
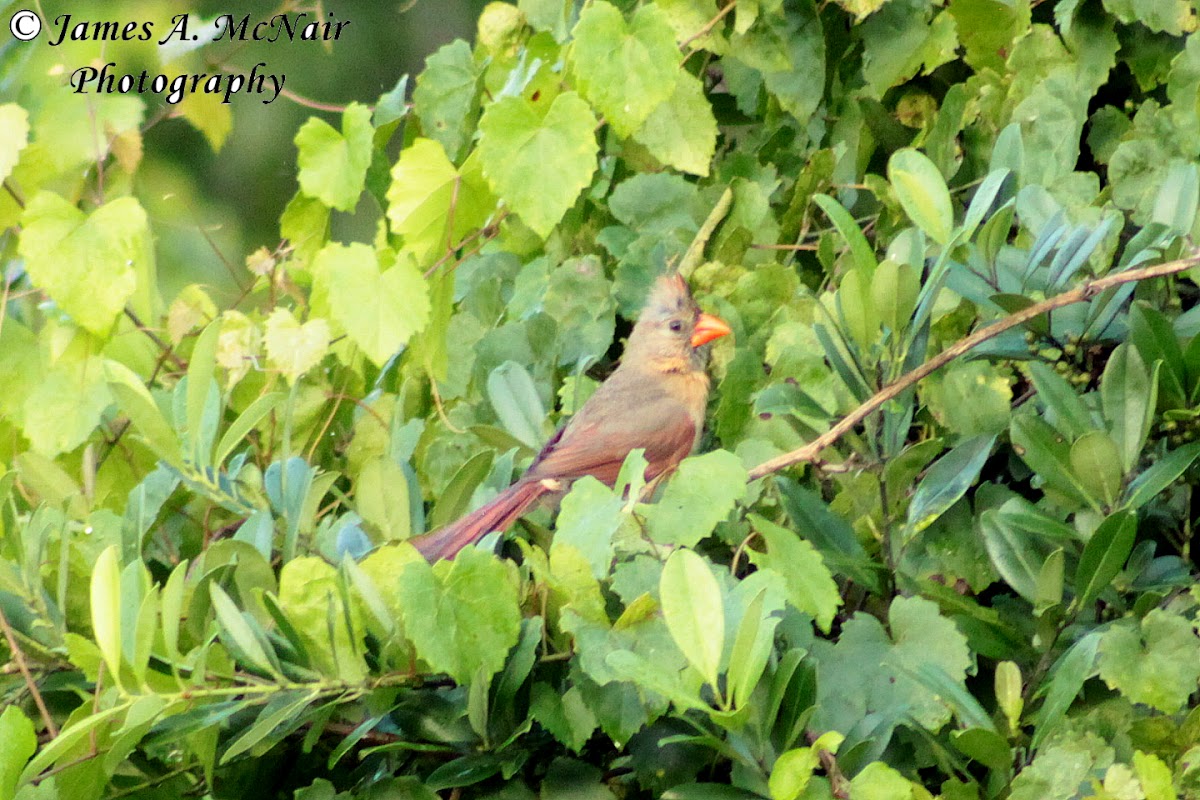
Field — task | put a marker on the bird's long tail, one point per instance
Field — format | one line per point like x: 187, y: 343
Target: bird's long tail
x: 497, y: 515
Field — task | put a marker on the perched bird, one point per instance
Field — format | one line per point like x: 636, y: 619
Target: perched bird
x: 654, y: 400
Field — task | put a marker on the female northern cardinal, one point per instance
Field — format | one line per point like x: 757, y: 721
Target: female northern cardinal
x: 654, y: 400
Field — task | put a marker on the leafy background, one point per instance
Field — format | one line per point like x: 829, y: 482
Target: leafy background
x: 215, y: 436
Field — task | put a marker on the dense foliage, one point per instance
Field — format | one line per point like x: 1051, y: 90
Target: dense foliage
x: 984, y: 590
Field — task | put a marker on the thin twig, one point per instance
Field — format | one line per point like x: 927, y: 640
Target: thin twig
x: 708, y: 26
x: 1084, y: 291
x: 163, y: 347
x: 30, y: 683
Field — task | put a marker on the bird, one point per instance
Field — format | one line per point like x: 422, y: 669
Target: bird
x: 655, y: 399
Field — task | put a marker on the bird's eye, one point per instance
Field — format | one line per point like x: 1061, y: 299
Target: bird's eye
x: 676, y: 326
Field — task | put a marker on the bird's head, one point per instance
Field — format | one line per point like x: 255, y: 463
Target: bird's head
x: 672, y: 330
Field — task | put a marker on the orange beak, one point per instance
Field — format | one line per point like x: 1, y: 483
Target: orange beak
x: 708, y: 328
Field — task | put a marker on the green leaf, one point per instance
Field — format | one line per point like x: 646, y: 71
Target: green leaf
x: 14, y: 136
x: 1129, y: 394
x: 461, y: 615
x: 66, y: 406
x: 922, y: 193
x: 432, y: 204
x: 1154, y: 776
x: 692, y: 605
x: 333, y: 166
x: 878, y: 781
x: 1160, y: 475
x: 65, y: 250
x: 1068, y: 413
x: 455, y: 499
x: 983, y: 200
x: 579, y: 298
x: 240, y: 633
x: 381, y: 494
x: 246, y: 422
x: 625, y: 70
x: 1096, y: 462
x: 564, y: 715
x: 305, y: 225
x: 589, y: 516
x: 106, y: 609
x: 446, y: 95
x: 1155, y: 340
x: 1177, y: 198
x: 292, y: 348
x: 1048, y: 454
x: 1067, y: 677
x: 699, y: 494
x: 809, y: 586
x: 380, y: 308
x: 682, y: 131
x: 1104, y: 555
x: 985, y: 746
x: 311, y: 596
x: 894, y: 292
x: 1016, y: 552
x: 1174, y: 17
x: 860, y: 249
x: 792, y: 772
x: 515, y: 399
x: 947, y: 481
x: 1156, y: 661
x: 537, y: 164
x: 787, y: 46
x: 970, y: 397
x: 201, y: 367
x: 172, y: 608
x: 829, y: 533
x: 860, y: 317
x: 68, y: 738
x: 653, y: 676
x: 279, y: 711
x: 20, y: 743
x: 752, y: 648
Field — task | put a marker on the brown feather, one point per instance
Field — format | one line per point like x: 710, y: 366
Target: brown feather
x: 654, y: 400
x: 495, y: 515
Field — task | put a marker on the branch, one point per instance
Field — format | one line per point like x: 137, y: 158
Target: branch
x: 811, y: 451
x: 30, y: 683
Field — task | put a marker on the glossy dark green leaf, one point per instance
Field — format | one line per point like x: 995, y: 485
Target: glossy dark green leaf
x: 1096, y: 462
x: 1160, y: 475
x: 277, y: 713
x: 1069, y: 414
x: 829, y: 533
x: 1048, y: 453
x: 1104, y: 556
x: 1014, y: 553
x: 947, y: 481
x: 1129, y: 393
x: 1062, y: 686
x: 1155, y: 340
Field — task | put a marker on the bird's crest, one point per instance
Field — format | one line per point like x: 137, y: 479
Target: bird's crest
x: 670, y: 293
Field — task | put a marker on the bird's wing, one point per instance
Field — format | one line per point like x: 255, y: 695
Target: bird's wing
x: 597, y: 445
